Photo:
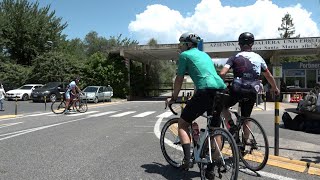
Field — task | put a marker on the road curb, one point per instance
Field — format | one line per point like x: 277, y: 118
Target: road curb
x: 294, y: 165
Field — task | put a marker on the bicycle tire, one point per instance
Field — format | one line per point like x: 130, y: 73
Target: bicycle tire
x: 230, y: 164
x: 170, y: 143
x: 81, y: 107
x: 58, y: 107
x: 254, y: 160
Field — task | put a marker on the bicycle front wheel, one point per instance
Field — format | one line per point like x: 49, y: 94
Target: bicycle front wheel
x: 224, y: 155
x: 170, y: 143
x: 58, y: 107
x: 81, y: 106
x: 254, y: 151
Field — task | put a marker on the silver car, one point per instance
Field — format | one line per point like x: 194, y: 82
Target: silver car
x: 97, y: 93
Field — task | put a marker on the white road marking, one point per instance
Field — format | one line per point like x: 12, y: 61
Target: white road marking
x: 102, y: 114
x: 32, y: 115
x: 80, y: 114
x: 267, y: 174
x: 144, y: 114
x: 165, y: 115
x: 10, y: 124
x: 18, y: 133
x: 123, y: 114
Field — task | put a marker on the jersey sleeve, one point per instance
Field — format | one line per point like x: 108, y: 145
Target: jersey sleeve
x: 182, y: 65
x: 229, y: 62
x: 264, y: 66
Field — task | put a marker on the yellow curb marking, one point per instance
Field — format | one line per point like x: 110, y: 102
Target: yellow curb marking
x: 7, y: 116
x: 314, y: 169
x: 282, y: 162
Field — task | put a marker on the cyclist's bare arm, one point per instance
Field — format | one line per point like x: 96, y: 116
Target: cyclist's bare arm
x: 271, y: 81
x: 223, y: 72
x: 177, y: 86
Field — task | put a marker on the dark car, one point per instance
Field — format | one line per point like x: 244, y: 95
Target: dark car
x: 51, y: 91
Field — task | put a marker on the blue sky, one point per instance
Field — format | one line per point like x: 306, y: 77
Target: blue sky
x: 164, y: 20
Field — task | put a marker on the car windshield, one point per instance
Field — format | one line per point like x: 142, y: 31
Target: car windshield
x: 25, y: 87
x: 90, y: 89
x: 51, y: 85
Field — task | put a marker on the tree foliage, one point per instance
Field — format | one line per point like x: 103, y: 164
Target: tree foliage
x: 26, y: 29
x: 287, y: 28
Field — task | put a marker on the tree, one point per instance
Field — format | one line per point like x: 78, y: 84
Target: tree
x: 26, y: 29
x: 55, y: 66
x: 287, y: 28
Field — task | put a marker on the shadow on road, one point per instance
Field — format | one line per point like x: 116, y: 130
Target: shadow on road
x: 169, y: 172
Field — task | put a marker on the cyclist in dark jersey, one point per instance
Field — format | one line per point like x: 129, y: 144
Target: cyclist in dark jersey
x: 247, y: 66
x: 203, y: 73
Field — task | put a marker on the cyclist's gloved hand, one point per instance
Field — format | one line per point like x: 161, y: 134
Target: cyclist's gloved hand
x: 169, y: 101
x: 275, y: 90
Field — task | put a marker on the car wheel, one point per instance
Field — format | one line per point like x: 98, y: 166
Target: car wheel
x: 96, y: 100
x: 25, y: 97
x: 53, y: 97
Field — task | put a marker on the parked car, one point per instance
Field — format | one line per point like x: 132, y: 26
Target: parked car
x: 97, y: 93
x: 23, y: 92
x: 51, y: 91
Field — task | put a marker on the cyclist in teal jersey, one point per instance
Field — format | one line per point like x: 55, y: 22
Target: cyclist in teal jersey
x: 207, y: 82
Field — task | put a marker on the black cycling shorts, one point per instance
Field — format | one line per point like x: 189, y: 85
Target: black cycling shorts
x: 201, y: 102
x: 246, y: 106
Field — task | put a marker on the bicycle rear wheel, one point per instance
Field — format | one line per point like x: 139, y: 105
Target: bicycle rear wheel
x: 170, y: 143
x: 225, y: 159
x: 81, y: 106
x: 254, y: 151
x: 58, y: 107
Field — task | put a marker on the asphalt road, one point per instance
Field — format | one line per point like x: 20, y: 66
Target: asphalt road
x: 116, y: 140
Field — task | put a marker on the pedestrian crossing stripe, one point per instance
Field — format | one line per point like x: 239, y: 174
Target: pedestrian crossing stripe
x: 102, y: 114
x: 79, y: 114
x: 123, y: 114
x: 144, y: 114
x: 165, y: 115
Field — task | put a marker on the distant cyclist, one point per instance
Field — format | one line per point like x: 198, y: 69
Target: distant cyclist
x: 203, y: 73
x: 247, y: 66
x: 71, y: 92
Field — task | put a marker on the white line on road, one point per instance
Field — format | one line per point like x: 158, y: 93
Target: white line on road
x: 102, y: 114
x: 144, y: 114
x: 10, y: 124
x: 123, y: 114
x: 80, y: 114
x: 38, y: 114
x: 18, y: 133
x: 165, y: 115
x: 267, y: 174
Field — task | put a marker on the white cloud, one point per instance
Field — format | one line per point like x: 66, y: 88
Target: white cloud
x: 214, y: 22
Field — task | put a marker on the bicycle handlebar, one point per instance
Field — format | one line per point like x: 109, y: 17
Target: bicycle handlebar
x: 178, y: 101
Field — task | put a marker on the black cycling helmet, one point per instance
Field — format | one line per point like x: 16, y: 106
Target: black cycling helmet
x: 190, y: 37
x: 246, y: 38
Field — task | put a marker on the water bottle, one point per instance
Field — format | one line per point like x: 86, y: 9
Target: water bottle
x: 195, y: 132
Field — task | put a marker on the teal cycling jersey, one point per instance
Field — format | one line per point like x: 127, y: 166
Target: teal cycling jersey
x: 200, y: 68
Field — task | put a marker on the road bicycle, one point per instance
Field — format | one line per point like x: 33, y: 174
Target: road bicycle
x: 202, y: 149
x: 58, y: 107
x: 251, y: 139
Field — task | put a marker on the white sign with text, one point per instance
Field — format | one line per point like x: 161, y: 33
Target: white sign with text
x: 268, y: 44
